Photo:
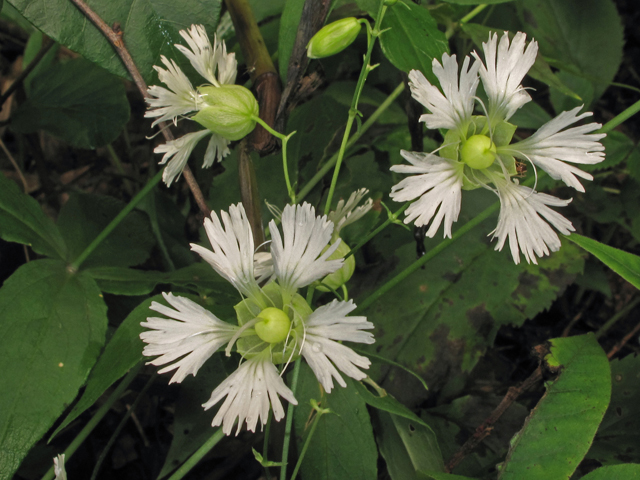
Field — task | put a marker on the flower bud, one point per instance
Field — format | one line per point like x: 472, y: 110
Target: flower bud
x: 478, y: 152
x: 228, y: 110
x: 274, y: 326
x: 333, y: 38
x: 338, y: 278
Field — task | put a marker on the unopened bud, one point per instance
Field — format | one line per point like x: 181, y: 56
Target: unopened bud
x: 333, y: 38
x: 478, y: 152
x: 229, y: 111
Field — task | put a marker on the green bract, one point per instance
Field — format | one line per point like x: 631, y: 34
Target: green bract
x: 333, y: 38
x: 230, y: 111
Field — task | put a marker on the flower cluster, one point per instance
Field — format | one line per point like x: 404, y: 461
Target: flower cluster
x: 477, y: 149
x: 225, y: 109
x: 275, y: 325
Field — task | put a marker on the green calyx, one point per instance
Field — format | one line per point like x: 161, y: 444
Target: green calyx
x: 478, y: 152
x: 341, y: 276
x: 333, y: 38
x: 228, y: 110
x: 274, y: 326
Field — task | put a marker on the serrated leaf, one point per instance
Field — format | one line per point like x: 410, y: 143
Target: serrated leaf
x: 618, y: 438
x: 560, y: 429
x: 84, y: 216
x: 76, y: 101
x: 617, y: 472
x: 122, y: 353
x: 342, y: 447
x: 150, y: 28
x: 54, y: 325
x: 23, y: 221
x: 623, y: 263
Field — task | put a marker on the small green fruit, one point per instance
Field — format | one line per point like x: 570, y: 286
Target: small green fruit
x: 478, y: 152
x: 333, y: 38
x: 274, y: 326
x: 228, y: 110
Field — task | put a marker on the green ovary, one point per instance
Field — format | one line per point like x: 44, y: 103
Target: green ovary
x: 478, y: 152
x: 274, y: 326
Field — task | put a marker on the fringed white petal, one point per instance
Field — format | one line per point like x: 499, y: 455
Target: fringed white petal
x: 210, y: 61
x: 177, y: 152
x: 191, y: 334
x: 453, y: 109
x: 522, y: 220
x: 324, y: 328
x: 232, y: 255
x: 505, y: 66
x: 438, y: 184
x: 217, y: 149
x: 58, y: 468
x: 263, y: 266
x: 180, y: 99
x: 550, y: 147
x: 348, y: 212
x: 250, y: 391
x: 298, y: 257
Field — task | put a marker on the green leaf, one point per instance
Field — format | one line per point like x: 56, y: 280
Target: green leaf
x: 85, y: 215
x: 540, y: 70
x: 409, y: 448
x: 150, y: 28
x: 54, y: 326
x: 342, y: 447
x: 76, y: 101
x: 530, y: 115
x: 413, y: 40
x: 289, y: 22
x: 617, y: 472
x: 23, y: 221
x: 387, y: 403
x: 618, y: 438
x: 624, y: 264
x: 122, y: 353
x: 192, y: 424
x: 560, y: 429
x: 445, y: 476
x: 584, y: 37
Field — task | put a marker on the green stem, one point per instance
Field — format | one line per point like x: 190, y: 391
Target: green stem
x: 386, y: 223
x: 119, y: 428
x: 613, y: 320
x: 353, y: 110
x: 314, y: 425
x: 289, y: 424
x: 620, y: 118
x: 473, y: 13
x: 265, y: 445
x: 424, y: 259
x: 285, y: 165
x: 197, y: 456
x: 354, y: 138
x: 116, y: 221
x: 102, y: 411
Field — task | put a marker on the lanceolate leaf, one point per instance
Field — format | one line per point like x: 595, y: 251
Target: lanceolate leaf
x: 23, y: 221
x: 150, y: 28
x: 76, y: 101
x: 560, y: 429
x: 624, y: 264
x: 54, y: 325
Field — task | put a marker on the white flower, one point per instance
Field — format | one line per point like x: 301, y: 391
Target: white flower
x: 347, y: 212
x: 275, y: 323
x: 438, y: 183
x: 549, y: 148
x: 219, y: 68
x: 506, y: 66
x: 452, y: 110
x: 520, y: 220
x: 478, y: 151
x: 58, y: 468
x: 327, y: 326
x: 299, y: 259
x: 194, y: 334
x: 249, y: 391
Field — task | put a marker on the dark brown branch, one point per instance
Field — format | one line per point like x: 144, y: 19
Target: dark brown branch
x: 314, y: 14
x: 47, y: 44
x: 618, y: 346
x: 484, y: 430
x: 114, y: 36
x: 249, y: 193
